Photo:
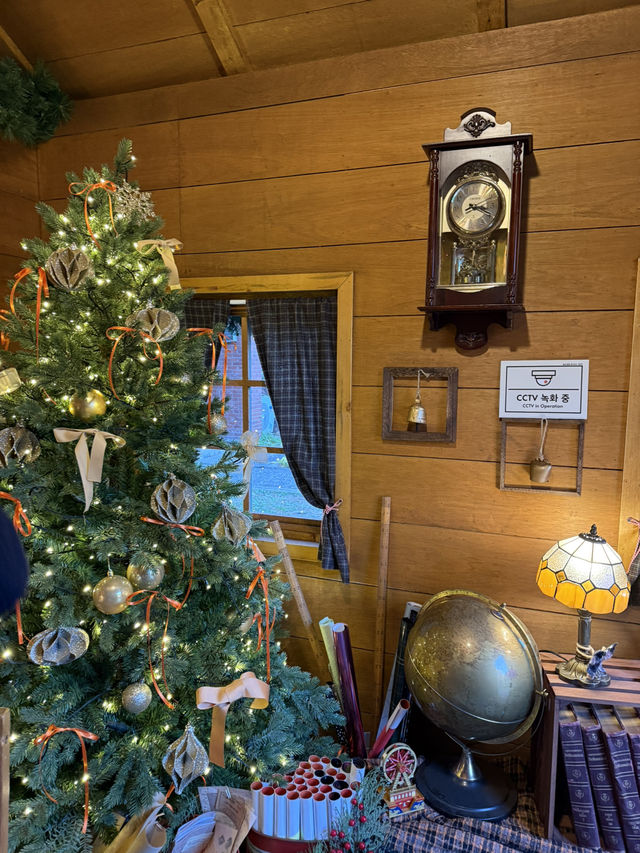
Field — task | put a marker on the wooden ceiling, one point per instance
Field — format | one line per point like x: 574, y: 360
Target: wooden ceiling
x: 114, y: 46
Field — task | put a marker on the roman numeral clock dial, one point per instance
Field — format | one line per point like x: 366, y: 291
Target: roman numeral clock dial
x: 476, y: 207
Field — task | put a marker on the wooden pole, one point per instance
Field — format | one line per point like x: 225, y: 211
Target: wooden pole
x: 5, y: 726
x: 381, y: 604
x: 298, y: 595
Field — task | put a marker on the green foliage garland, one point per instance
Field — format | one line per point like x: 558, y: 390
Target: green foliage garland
x: 32, y: 104
x: 211, y: 640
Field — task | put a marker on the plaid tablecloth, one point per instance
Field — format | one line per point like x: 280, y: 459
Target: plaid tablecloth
x: 522, y: 831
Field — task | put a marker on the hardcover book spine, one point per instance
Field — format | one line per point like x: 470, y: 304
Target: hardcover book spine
x: 602, y: 788
x: 625, y: 787
x: 582, y: 807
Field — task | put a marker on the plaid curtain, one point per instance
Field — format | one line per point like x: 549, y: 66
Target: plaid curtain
x: 296, y: 341
x: 207, y: 314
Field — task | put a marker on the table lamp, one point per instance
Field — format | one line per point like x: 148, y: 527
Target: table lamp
x: 586, y: 573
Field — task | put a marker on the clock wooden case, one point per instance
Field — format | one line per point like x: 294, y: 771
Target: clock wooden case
x: 475, y: 208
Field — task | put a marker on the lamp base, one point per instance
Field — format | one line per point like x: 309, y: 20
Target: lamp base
x: 581, y: 671
x: 466, y: 788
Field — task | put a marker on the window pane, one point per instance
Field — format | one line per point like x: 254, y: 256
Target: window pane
x: 233, y: 334
x: 255, y: 368
x: 210, y: 456
x: 232, y: 410
x: 274, y: 491
x: 262, y: 418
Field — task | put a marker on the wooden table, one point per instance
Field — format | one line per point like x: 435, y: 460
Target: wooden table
x: 623, y: 690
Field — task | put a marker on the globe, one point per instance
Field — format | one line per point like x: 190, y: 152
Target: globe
x: 473, y: 670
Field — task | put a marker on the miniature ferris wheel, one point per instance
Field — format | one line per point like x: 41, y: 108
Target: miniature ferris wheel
x: 399, y: 763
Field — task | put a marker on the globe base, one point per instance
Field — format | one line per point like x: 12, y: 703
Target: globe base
x: 482, y: 790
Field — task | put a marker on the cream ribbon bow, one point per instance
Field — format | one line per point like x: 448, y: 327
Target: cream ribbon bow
x: 249, y: 440
x: 89, y: 464
x: 165, y: 248
x: 220, y: 698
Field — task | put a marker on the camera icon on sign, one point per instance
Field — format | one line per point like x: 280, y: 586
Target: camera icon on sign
x: 543, y: 377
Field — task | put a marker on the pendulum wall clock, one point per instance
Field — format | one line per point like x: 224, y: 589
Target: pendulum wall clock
x: 475, y: 207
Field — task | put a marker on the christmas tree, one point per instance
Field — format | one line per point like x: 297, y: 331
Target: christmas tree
x: 144, y: 586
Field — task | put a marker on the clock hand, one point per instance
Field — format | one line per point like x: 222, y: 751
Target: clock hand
x: 477, y: 207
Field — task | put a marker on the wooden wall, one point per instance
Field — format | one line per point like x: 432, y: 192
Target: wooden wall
x: 320, y: 168
x: 18, y: 194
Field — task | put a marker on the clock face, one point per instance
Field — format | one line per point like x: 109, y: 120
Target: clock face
x: 476, y: 207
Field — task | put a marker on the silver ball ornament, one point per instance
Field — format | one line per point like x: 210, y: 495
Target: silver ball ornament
x: 145, y: 577
x: 110, y: 594
x: 136, y: 698
x: 218, y: 424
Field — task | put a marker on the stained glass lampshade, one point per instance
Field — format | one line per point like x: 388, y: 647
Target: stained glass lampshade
x: 585, y: 573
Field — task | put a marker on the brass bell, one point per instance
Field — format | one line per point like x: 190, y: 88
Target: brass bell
x: 539, y: 470
x: 417, y: 417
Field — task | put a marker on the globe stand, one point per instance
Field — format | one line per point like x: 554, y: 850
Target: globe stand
x: 467, y: 787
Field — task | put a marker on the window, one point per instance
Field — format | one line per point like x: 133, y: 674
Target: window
x: 274, y: 493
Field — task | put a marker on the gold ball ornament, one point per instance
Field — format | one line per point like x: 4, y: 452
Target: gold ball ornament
x: 110, y: 594
x: 145, y: 577
x: 18, y: 444
x: 136, y: 698
x: 91, y: 406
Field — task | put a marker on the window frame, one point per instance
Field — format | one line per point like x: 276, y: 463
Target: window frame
x: 308, y: 284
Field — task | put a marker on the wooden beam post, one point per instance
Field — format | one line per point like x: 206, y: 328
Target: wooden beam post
x: 298, y: 595
x: 14, y: 50
x: 630, y: 497
x: 215, y: 20
x: 381, y: 604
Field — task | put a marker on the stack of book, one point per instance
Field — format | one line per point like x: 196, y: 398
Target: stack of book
x: 601, y: 753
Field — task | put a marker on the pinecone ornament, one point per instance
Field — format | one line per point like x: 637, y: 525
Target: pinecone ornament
x: 18, y: 443
x: 68, y: 269
x: 174, y: 500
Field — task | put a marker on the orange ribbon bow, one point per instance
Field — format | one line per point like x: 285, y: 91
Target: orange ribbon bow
x: 5, y: 340
x: 188, y: 528
x: 82, y: 736
x: 41, y: 287
x: 127, y: 330
x: 86, y: 190
x: 139, y: 598
x: 225, y: 346
x: 261, y: 579
x: 209, y: 334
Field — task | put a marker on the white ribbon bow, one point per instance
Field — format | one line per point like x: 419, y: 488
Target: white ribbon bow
x: 249, y: 440
x: 89, y: 464
x: 165, y: 248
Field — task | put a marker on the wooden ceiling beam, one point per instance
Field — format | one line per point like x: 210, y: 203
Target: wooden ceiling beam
x: 218, y: 27
x: 14, y: 50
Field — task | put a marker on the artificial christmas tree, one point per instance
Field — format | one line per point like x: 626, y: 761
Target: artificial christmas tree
x: 133, y: 604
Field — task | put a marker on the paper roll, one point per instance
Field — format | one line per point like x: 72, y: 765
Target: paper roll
x: 293, y: 815
x: 321, y: 815
x: 335, y: 807
x: 307, y: 826
x: 256, y: 787
x: 356, y: 774
x: 326, y: 629
x: 281, y: 813
x: 340, y: 785
x: 345, y: 800
x: 266, y: 810
x: 325, y: 789
x: 314, y: 759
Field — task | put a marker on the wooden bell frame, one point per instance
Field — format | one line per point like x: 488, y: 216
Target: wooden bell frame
x: 541, y: 487
x: 448, y: 374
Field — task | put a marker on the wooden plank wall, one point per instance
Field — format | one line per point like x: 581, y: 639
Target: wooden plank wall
x: 18, y: 194
x: 319, y: 168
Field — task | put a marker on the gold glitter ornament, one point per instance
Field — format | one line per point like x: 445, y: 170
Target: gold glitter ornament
x: 110, y: 594
x: 185, y: 760
x: 91, y: 406
x: 161, y: 324
x: 145, y: 577
x: 19, y: 444
x: 218, y: 424
x: 136, y: 698
x: 68, y: 269
x: 174, y: 500
x: 58, y: 646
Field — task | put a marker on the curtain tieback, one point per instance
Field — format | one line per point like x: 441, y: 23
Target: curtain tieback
x: 336, y: 506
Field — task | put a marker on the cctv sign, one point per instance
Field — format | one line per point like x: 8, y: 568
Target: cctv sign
x: 544, y: 389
